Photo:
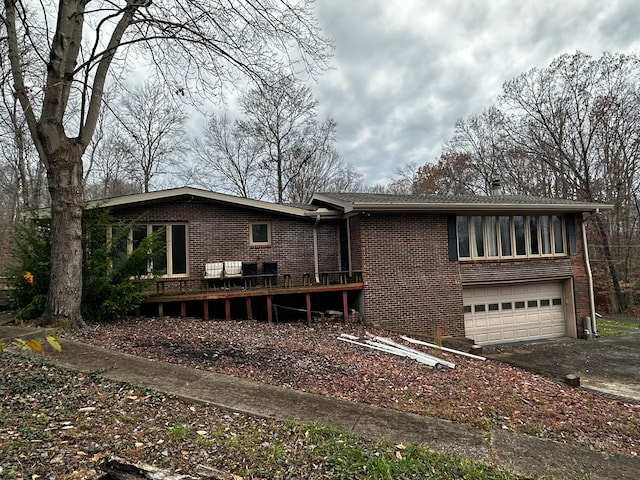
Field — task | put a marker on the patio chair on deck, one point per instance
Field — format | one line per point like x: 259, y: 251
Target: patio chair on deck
x: 232, y: 270
x: 270, y: 270
x: 213, y: 271
x: 250, y: 274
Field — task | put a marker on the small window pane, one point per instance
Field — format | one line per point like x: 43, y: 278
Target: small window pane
x: 507, y: 306
x: 160, y: 257
x: 463, y: 236
x: 493, y: 307
x: 533, y: 235
x: 139, y: 234
x: 119, y: 241
x: 259, y: 233
x: 505, y: 236
x: 519, y: 305
x: 492, y: 236
x: 545, y: 303
x: 556, y: 301
x: 478, y: 244
x: 480, y: 308
x: 532, y: 304
x: 545, y: 234
x: 467, y: 309
x: 558, y: 237
x: 518, y: 224
x: 179, y: 249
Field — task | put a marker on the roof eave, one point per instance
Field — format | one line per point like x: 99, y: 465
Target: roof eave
x: 478, y: 207
x: 188, y: 192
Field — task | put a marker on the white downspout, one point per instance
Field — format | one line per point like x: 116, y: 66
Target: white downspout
x: 315, y: 249
x: 592, y: 303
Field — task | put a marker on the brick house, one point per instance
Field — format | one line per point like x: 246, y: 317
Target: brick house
x: 494, y: 269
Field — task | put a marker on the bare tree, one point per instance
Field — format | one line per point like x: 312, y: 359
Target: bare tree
x: 570, y: 130
x: 280, y: 116
x: 151, y: 135
x: 107, y: 173
x: 580, y: 116
x: 22, y: 177
x: 230, y: 160
x: 323, y: 173
x: 194, y: 43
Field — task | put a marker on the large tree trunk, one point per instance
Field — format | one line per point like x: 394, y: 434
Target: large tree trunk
x: 64, y: 176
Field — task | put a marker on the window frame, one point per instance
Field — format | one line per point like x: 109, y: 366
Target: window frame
x: 169, y: 244
x: 527, y: 239
x: 253, y: 242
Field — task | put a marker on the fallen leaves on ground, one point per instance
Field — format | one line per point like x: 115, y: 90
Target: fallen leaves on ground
x: 311, y: 359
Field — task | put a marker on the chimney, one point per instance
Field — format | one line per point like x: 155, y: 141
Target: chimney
x: 496, y: 187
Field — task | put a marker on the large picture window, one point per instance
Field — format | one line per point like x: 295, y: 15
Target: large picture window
x: 510, y: 236
x: 170, y: 261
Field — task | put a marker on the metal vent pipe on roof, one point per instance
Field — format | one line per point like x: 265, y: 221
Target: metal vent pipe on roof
x: 496, y: 187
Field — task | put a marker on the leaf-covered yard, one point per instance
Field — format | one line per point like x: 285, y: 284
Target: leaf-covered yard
x: 312, y: 359
x: 61, y: 424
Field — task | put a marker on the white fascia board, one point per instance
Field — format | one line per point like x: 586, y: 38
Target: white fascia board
x: 142, y: 198
x: 478, y: 207
x: 346, y: 207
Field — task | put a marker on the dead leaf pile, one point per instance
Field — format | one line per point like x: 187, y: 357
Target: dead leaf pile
x: 484, y: 394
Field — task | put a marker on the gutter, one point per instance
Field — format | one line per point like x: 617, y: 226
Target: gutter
x: 315, y: 249
x: 592, y: 304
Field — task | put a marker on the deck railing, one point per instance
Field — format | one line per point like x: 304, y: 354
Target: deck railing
x: 171, y: 286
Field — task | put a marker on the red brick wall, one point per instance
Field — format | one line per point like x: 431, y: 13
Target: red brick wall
x: 221, y: 233
x: 580, y: 280
x: 410, y: 284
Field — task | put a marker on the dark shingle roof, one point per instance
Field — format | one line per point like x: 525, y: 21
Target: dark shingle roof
x: 453, y: 203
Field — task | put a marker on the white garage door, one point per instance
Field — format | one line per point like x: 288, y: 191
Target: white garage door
x: 514, y: 312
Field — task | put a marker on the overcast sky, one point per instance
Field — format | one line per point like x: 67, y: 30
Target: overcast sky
x: 406, y: 70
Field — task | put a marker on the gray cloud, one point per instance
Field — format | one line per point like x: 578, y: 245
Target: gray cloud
x: 406, y: 71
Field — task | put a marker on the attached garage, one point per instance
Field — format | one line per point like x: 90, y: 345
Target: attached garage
x: 514, y: 312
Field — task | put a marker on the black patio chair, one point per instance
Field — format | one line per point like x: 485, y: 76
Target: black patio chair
x: 270, y: 270
x: 250, y: 273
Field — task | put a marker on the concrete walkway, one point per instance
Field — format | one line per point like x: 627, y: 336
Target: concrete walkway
x: 517, y: 453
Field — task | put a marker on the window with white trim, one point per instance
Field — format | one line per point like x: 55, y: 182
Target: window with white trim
x: 260, y: 234
x: 171, y: 260
x: 510, y: 236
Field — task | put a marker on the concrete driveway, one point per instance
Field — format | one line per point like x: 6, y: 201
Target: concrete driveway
x: 609, y: 365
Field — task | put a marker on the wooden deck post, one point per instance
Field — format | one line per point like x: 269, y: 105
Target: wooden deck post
x: 249, y: 309
x: 183, y: 309
x: 308, y: 299
x: 269, y: 309
x: 205, y: 307
x: 345, y: 307
x: 161, y: 310
x: 227, y: 309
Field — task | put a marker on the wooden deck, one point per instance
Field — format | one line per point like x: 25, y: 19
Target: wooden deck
x: 185, y: 292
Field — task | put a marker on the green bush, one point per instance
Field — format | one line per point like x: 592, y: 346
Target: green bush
x: 30, y: 278
x: 113, y: 283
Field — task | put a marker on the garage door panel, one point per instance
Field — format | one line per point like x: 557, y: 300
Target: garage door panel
x: 518, y: 312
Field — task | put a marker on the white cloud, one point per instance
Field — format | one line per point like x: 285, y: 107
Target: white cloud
x: 406, y: 71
